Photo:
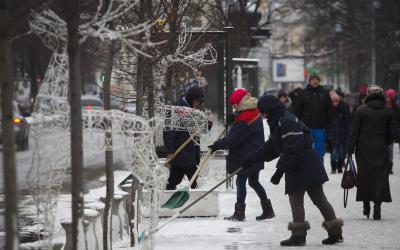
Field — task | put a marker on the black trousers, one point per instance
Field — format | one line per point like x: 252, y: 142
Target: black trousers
x: 318, y: 197
x: 176, y: 174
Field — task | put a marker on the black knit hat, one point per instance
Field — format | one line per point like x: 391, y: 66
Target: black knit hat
x: 195, y: 93
x: 314, y: 76
x: 268, y: 104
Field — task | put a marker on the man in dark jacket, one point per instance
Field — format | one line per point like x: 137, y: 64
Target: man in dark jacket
x: 372, y: 131
x: 291, y: 141
x: 185, y: 163
x: 314, y: 108
x: 245, y: 135
x: 337, y: 143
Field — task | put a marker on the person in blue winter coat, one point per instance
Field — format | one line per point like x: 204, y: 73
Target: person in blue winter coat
x: 291, y: 141
x: 245, y: 135
x: 185, y: 163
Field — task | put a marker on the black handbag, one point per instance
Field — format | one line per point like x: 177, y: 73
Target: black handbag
x: 349, y: 178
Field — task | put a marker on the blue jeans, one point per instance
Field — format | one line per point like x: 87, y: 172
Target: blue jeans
x: 319, y: 136
x: 253, y: 182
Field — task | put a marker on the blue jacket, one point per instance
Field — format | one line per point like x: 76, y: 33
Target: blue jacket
x: 243, y: 138
x: 291, y: 141
x: 190, y: 154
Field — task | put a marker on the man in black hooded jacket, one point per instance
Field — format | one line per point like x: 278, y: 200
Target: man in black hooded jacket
x: 185, y: 163
x: 291, y: 141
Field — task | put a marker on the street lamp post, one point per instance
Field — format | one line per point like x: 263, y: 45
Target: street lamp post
x: 376, y: 4
x: 338, y: 30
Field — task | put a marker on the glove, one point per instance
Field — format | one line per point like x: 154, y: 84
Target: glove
x: 247, y: 163
x: 276, y: 178
x: 209, y: 125
x: 230, y: 118
x: 213, y: 148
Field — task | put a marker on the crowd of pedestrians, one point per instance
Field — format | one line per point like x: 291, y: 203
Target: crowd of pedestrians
x: 304, y: 125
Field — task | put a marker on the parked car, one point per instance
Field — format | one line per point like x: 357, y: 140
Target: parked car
x: 91, y: 102
x: 129, y: 107
x: 21, y: 128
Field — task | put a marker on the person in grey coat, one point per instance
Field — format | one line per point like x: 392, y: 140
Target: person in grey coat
x: 291, y: 141
x: 372, y: 131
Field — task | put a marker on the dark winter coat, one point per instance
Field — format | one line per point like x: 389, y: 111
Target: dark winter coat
x: 244, y: 137
x: 342, y: 126
x: 313, y: 106
x: 291, y: 141
x: 190, y: 154
x: 372, y: 132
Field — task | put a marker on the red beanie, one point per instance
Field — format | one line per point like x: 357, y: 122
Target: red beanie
x: 237, y: 96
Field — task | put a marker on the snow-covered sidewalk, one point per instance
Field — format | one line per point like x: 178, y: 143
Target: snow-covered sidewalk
x: 216, y: 233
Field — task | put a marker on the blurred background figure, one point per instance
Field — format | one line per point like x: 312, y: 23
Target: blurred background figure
x: 337, y: 143
x: 285, y: 100
x: 390, y: 95
x: 313, y: 106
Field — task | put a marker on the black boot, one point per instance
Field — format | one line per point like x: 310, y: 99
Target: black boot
x: 268, y: 211
x: 340, y: 166
x: 334, y: 228
x: 299, y: 232
x: 239, y: 214
x: 366, y: 208
x: 391, y: 168
x: 333, y: 167
x: 377, y: 211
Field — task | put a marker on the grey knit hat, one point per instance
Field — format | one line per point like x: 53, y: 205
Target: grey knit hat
x: 374, y: 89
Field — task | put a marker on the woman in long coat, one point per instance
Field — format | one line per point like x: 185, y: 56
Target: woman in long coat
x: 373, y: 130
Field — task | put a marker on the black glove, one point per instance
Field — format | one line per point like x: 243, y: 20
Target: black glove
x: 230, y: 118
x: 213, y: 148
x: 276, y: 178
x: 210, y: 124
x: 247, y: 163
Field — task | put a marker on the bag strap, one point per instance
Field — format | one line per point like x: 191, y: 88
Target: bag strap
x: 345, y: 197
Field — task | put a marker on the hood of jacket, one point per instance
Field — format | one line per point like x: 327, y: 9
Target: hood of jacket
x: 270, y: 105
x: 376, y: 101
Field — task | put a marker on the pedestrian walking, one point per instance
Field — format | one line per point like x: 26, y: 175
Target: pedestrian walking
x: 285, y: 100
x: 291, y: 141
x: 337, y: 144
x: 391, y: 104
x: 245, y: 135
x: 372, y: 131
x: 185, y: 163
x: 313, y: 106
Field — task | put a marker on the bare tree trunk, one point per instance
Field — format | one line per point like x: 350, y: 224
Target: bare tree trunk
x: 149, y: 80
x: 8, y: 139
x: 107, y: 218
x: 139, y: 86
x: 75, y: 84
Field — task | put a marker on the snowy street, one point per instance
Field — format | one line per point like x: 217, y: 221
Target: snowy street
x: 218, y: 234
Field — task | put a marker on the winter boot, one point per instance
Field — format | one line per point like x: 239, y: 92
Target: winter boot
x: 299, y: 232
x: 268, y: 211
x: 377, y: 211
x: 238, y: 215
x: 333, y: 167
x: 334, y: 228
x: 366, y: 208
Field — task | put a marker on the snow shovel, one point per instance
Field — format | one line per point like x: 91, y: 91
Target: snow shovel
x: 144, y: 234
x: 182, y: 196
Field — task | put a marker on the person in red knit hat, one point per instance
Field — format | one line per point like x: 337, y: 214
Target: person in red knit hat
x: 245, y: 135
